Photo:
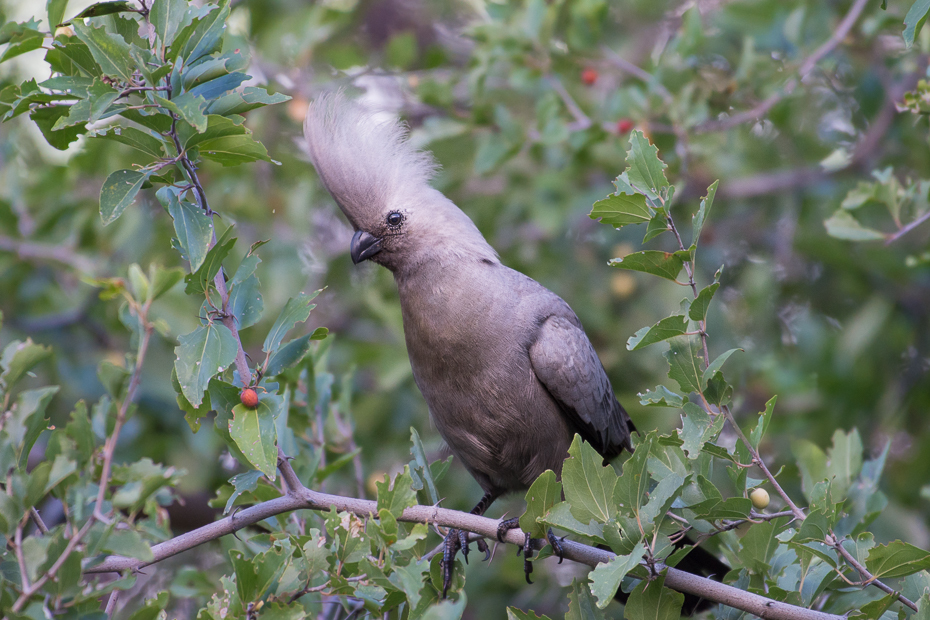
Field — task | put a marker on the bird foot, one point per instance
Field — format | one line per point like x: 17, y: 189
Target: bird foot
x: 455, y: 541
x: 511, y: 524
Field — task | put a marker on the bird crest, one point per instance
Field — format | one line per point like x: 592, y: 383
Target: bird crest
x: 365, y: 161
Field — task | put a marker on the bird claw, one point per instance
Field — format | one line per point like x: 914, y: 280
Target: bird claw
x: 556, y: 543
x: 557, y: 549
x: 451, y: 546
x: 483, y: 547
x: 505, y: 526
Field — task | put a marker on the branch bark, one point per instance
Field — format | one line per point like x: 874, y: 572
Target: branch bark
x: 300, y: 497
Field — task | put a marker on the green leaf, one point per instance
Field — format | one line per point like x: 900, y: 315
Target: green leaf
x: 686, y: 363
x: 843, y: 225
x: 246, y: 303
x: 18, y: 359
x: 104, y: 8
x: 661, y: 396
x: 914, y: 21
x: 630, y: 492
x: 896, y: 559
x: 297, y: 310
x: 663, y: 330
x: 199, y: 281
x: 166, y: 16
x: 128, y: 543
x: 697, y: 428
x: 606, y: 577
x: 250, y: 98
x: 234, y: 150
x: 755, y: 437
x: 202, y: 354
x: 242, y: 483
x: 844, y: 461
x: 543, y: 494
x: 24, y: 39
x: 70, y: 56
x: 110, y: 51
x: 581, y: 605
x: 137, y: 139
x: 207, y: 35
x: 409, y: 579
x: 561, y: 517
x: 646, y: 171
x: 715, y: 366
x: 396, y: 495
x: 118, y: 192
x: 518, y: 614
x: 289, y: 355
x: 217, y: 127
x: 114, y: 378
x: 588, y: 484
x: 698, y: 309
x: 189, y: 107
x: 46, y: 118
x: 757, y: 547
x: 254, y: 432
x: 193, y: 227
x: 56, y: 12
x: 698, y: 219
x: 663, y: 264
x: 27, y: 421
x: 620, y: 209
x: 811, y: 461
x: 815, y: 527
x: 163, y: 280
x: 651, y: 599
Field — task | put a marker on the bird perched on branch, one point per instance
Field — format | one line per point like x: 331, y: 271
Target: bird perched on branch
x: 503, y: 363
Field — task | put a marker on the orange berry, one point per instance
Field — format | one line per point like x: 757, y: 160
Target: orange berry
x: 589, y: 76
x: 249, y: 398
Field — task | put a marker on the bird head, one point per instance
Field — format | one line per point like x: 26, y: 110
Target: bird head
x: 381, y: 183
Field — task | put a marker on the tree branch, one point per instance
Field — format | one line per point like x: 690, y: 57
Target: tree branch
x: 301, y: 498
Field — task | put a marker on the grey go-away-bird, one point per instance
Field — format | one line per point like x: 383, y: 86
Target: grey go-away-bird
x: 503, y: 363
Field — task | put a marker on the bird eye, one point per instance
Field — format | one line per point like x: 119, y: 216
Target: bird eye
x: 394, y: 219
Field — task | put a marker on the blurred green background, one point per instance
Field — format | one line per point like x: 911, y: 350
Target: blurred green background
x: 527, y: 106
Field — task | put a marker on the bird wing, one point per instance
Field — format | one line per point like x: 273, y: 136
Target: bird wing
x: 565, y: 362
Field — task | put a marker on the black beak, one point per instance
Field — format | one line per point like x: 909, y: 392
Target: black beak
x: 363, y: 246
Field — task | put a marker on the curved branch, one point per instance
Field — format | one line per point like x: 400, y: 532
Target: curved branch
x: 303, y: 498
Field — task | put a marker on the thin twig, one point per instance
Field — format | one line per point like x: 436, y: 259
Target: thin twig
x: 38, y: 520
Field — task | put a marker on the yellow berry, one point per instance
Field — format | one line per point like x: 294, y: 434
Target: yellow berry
x: 760, y: 498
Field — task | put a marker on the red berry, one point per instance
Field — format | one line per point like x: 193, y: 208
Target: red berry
x: 624, y: 125
x: 249, y: 398
x: 589, y: 76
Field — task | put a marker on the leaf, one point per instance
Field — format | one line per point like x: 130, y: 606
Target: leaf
x: 896, y: 559
x: 420, y: 471
x: 685, y: 363
x: 543, y: 494
x: 843, y: 225
x: 245, y: 302
x: 249, y: 98
x: 24, y: 40
x: 606, y: 577
x: 118, y: 192
x: 70, y: 56
x: 217, y: 127
x: 698, y: 309
x: 254, y: 432
x: 663, y: 264
x: 199, y: 281
x: 234, y: 150
x: 715, y: 366
x: 201, y: 355
x: 661, y: 396
x: 811, y: 461
x: 651, y: 599
x: 666, y: 328
x: 844, y: 461
x: 561, y: 517
x: 216, y: 87
x: 580, y: 604
x: 137, y: 139
x: 765, y: 417
x: 297, y: 310
x: 646, y: 171
x: 166, y: 16
x: 518, y: 614
x: 56, y: 12
x: 630, y: 492
x: 588, y: 484
x: 242, y: 483
x: 109, y: 50
x: 193, y: 227
x: 620, y: 209
x: 128, y: 543
x: 189, y: 107
x: 289, y: 355
x: 697, y: 428
x: 815, y: 527
x: 104, y: 8
x: 207, y: 34
x: 698, y: 219
x: 397, y: 494
x: 757, y: 547
x: 46, y: 118
x: 18, y: 359
x: 914, y: 21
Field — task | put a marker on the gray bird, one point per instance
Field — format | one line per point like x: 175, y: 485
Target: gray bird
x: 503, y: 363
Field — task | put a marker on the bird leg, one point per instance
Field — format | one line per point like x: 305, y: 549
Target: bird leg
x: 511, y: 524
x: 458, y: 540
